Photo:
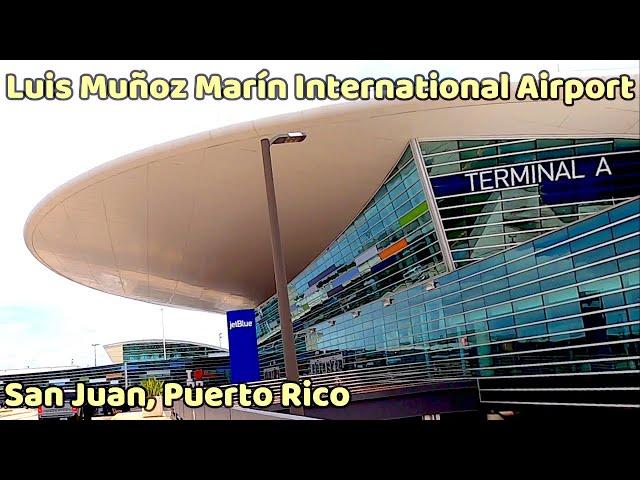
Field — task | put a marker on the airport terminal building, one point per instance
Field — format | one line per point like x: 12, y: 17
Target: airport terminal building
x: 188, y: 363
x: 432, y: 247
x: 540, y: 290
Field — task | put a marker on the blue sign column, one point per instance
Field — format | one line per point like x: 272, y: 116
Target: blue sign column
x: 243, y: 346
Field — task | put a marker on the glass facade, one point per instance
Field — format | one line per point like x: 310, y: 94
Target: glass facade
x: 191, y: 369
x: 494, y: 194
x: 391, y: 244
x: 546, y: 283
x: 154, y: 350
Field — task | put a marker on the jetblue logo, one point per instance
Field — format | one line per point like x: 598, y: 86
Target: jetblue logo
x: 243, y: 346
x: 240, y: 324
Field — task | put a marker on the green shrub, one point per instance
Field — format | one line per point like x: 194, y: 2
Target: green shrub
x: 153, y: 386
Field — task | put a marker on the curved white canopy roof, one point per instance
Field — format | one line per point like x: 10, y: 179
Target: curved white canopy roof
x: 185, y: 223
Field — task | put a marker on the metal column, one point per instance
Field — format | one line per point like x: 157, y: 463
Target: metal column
x: 284, y: 309
x: 441, y: 235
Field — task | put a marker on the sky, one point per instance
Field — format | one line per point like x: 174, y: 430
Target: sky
x: 47, y: 320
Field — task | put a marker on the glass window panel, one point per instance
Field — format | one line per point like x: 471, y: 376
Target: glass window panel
x: 525, y: 290
x: 631, y: 279
x: 600, y: 286
x: 588, y: 225
x: 492, y: 274
x: 481, y: 163
x: 501, y: 322
x: 520, y: 192
x: 632, y: 296
x: 558, y: 281
x: 596, y: 271
x: 480, y: 152
x: 526, y: 276
x: 553, y: 142
x: 497, y: 297
x: 477, y: 326
x: 624, y: 211
x: 560, y: 296
x: 552, y: 253
x: 452, y: 310
x: 521, y: 264
x: 597, y: 238
x: 565, y: 325
x: 627, y: 245
x: 477, y: 315
x: 495, y: 286
x: 532, y: 331
x: 503, y: 335
x: 527, y: 303
x: 555, y: 267
x: 626, y: 228
x: 563, y: 310
x: 618, y: 333
x: 594, y: 149
x: 521, y: 158
x: 517, y: 147
x: 530, y: 317
x: 559, y: 153
x: 499, y: 310
x: 626, y: 144
x: 629, y: 262
x: 612, y: 301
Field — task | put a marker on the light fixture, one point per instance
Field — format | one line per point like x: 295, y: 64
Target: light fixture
x: 387, y: 301
x: 355, y: 313
x: 284, y: 309
x: 290, y: 137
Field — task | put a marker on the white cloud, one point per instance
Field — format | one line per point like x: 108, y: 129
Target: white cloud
x: 49, y: 320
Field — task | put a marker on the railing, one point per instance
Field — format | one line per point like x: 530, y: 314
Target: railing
x: 377, y: 379
x: 575, y: 377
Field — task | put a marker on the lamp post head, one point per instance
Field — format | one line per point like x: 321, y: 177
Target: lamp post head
x: 290, y: 137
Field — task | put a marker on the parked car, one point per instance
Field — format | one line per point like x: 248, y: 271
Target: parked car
x: 66, y: 412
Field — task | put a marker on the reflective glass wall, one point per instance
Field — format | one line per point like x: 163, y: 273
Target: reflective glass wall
x: 563, y: 305
x: 494, y: 194
x: 189, y: 371
x: 155, y: 350
x: 390, y: 245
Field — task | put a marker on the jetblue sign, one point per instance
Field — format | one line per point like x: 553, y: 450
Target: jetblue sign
x: 586, y: 178
x: 243, y: 346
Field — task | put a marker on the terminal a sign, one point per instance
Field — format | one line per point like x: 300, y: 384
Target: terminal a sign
x: 529, y: 174
x: 243, y: 346
x: 585, y: 178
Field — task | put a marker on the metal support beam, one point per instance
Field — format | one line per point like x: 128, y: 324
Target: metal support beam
x: 441, y: 235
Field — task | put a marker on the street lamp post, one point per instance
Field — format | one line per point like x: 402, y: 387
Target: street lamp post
x: 95, y: 357
x: 284, y: 309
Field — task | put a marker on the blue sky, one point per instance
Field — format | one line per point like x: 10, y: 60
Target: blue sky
x: 46, y: 320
